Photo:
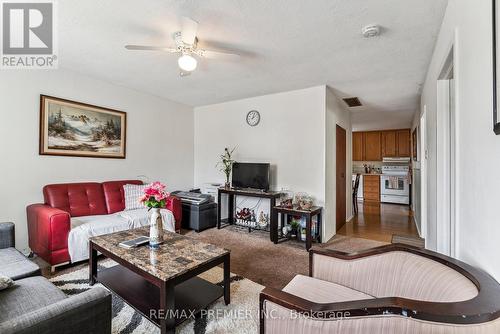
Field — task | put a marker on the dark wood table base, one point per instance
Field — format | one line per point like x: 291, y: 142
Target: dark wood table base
x: 284, y: 214
x: 190, y: 297
x: 272, y: 196
x: 167, y: 304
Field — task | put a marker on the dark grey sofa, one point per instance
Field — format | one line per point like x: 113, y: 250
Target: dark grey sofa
x: 34, y: 305
x: 13, y: 263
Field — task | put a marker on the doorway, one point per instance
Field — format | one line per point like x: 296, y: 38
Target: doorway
x: 423, y: 174
x: 446, y: 157
x: 341, y: 182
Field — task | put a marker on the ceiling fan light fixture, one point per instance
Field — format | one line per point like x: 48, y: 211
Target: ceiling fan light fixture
x: 187, y: 63
x: 186, y: 48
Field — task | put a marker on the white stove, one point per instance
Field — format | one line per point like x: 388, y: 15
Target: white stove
x: 395, y: 170
x: 394, y: 184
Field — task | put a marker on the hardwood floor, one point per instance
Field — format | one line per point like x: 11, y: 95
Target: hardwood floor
x: 378, y: 221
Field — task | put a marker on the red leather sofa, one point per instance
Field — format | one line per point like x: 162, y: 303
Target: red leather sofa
x: 49, y: 223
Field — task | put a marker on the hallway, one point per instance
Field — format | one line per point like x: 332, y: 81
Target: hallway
x: 378, y: 221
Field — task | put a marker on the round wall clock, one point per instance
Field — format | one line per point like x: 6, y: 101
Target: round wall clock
x: 253, y: 117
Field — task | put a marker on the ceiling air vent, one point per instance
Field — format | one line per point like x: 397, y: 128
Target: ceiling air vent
x: 352, y: 102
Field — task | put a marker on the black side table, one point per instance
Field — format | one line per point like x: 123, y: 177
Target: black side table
x: 272, y: 196
x: 308, y: 214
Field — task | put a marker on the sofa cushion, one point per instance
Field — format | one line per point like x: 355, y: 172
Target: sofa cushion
x: 114, y: 194
x: 82, y: 228
x: 7, y: 238
x: 397, y: 274
x: 27, y: 295
x: 15, y: 265
x: 79, y: 199
x: 5, y: 282
x: 133, y: 193
x: 319, y: 291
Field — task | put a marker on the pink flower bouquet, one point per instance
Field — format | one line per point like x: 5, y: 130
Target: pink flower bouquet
x: 155, y: 195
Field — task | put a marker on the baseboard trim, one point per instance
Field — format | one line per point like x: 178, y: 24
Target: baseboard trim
x: 416, y: 225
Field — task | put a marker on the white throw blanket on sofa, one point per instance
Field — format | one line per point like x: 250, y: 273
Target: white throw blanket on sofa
x: 82, y: 228
x: 140, y: 217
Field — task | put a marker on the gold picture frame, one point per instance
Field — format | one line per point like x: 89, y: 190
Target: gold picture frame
x: 69, y: 128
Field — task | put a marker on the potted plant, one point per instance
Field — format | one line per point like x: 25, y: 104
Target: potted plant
x: 155, y: 198
x: 295, y: 225
x: 226, y: 165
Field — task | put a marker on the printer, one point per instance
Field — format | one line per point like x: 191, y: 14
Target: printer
x: 192, y: 197
x: 199, y: 211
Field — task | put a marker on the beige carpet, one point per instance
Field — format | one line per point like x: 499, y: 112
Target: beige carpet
x: 255, y: 257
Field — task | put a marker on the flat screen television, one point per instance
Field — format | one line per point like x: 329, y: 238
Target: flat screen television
x: 251, y: 175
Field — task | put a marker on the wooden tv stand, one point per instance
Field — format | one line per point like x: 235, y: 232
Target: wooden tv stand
x: 232, y: 193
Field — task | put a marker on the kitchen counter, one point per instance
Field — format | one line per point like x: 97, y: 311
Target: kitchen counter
x: 371, y: 187
x: 372, y: 181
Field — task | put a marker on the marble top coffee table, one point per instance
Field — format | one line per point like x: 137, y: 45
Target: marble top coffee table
x: 160, y: 284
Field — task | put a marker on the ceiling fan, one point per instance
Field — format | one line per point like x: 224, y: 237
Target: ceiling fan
x: 186, y: 44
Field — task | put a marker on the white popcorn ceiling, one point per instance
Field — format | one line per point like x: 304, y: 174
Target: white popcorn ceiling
x: 287, y: 45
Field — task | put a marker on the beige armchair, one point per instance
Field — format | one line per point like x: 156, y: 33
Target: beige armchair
x: 393, y: 289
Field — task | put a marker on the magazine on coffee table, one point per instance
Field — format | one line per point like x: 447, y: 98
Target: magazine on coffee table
x: 134, y: 242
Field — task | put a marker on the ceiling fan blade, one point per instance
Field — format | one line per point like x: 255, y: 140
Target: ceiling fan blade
x: 216, y: 54
x: 189, y: 29
x: 150, y: 48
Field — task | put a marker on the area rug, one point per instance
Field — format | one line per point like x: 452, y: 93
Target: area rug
x: 255, y: 261
x: 408, y: 240
x: 241, y: 316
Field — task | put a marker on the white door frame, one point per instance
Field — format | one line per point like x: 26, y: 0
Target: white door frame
x: 446, y: 159
x: 423, y: 173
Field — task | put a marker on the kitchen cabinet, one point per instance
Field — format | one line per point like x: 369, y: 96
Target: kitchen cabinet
x: 371, y: 188
x: 389, y: 144
x: 373, y: 147
x: 358, y: 146
x: 403, y: 140
x: 396, y: 143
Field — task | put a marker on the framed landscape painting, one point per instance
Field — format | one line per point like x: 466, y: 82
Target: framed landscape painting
x: 69, y: 128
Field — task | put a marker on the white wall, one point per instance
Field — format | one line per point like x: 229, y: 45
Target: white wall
x: 336, y: 114
x: 291, y: 136
x: 376, y: 120
x: 469, y: 25
x: 159, y: 140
